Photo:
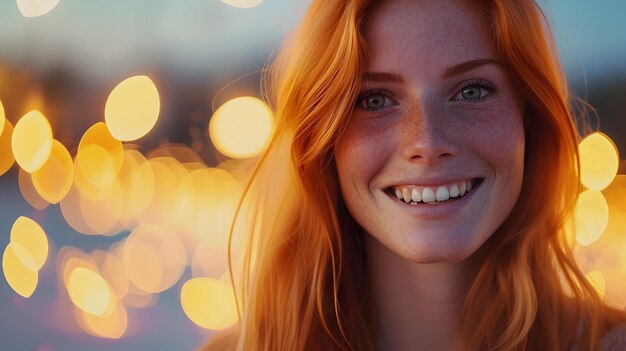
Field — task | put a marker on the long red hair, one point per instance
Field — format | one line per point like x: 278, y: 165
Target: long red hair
x: 304, y: 285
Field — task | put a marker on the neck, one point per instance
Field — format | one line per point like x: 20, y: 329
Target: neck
x: 419, y: 305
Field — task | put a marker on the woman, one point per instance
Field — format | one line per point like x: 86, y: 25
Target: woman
x: 416, y: 191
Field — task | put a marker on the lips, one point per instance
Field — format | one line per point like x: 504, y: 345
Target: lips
x: 419, y: 194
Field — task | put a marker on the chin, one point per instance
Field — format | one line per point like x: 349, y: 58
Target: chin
x: 436, y: 252
x: 438, y: 257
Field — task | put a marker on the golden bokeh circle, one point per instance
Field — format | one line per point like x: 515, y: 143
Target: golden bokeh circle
x: 209, y: 303
x: 599, y: 161
x: 241, y: 127
x: 132, y: 108
x: 32, y: 141
x: 54, y: 179
x: 6, y: 152
x: 592, y: 216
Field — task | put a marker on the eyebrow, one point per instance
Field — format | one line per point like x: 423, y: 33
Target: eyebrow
x: 468, y: 66
x: 449, y: 72
x: 382, y: 77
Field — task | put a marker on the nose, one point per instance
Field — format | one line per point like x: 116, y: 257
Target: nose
x: 427, y: 135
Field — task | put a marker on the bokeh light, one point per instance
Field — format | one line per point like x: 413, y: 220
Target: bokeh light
x: 241, y: 127
x: 2, y: 117
x: 137, y: 298
x: 596, y: 278
x: 209, y: 261
x: 100, y: 156
x: 29, y: 193
x: 114, y: 273
x: 21, y: 278
x: 592, y: 216
x: 136, y: 181
x: 210, y: 303
x: 132, y: 109
x: 72, y: 212
x: 168, y: 174
x: 599, y: 161
x: 154, y: 258
x: 102, y: 215
x: 24, y: 256
x: 29, y: 235
x: 211, y: 197
x: 36, y: 8
x: 243, y: 4
x: 32, y: 141
x: 54, y: 179
x: 615, y: 195
x: 6, y: 152
x: 86, y: 188
x: 180, y: 152
x: 112, y: 325
x: 69, y: 259
x: 89, y: 291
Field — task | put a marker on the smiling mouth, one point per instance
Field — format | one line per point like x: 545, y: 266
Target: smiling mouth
x: 433, y: 195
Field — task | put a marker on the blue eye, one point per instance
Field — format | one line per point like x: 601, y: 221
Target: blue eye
x: 374, y: 100
x: 474, y: 91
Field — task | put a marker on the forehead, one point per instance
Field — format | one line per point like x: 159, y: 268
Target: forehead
x: 433, y: 32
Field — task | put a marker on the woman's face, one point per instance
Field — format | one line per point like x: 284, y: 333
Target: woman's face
x: 432, y: 160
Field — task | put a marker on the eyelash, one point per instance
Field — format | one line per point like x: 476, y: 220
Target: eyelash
x: 478, y: 83
x: 363, y: 95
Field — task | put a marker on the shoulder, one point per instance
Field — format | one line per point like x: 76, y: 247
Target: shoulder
x: 615, y: 339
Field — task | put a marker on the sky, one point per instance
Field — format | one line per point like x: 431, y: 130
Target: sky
x: 104, y: 38
x: 590, y: 36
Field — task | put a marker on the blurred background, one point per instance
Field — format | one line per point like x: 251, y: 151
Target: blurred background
x: 116, y: 240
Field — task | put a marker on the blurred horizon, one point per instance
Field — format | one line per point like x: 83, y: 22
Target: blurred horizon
x: 195, y: 48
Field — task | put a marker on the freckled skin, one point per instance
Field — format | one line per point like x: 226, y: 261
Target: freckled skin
x: 428, y: 131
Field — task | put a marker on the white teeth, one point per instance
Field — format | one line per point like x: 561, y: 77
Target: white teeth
x: 406, y: 194
x: 399, y: 194
x: 442, y: 194
x: 454, y: 190
x: 415, y: 195
x: 428, y: 195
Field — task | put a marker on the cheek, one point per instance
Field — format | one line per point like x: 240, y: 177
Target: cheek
x: 359, y: 154
x: 502, y: 144
x: 359, y: 157
x: 500, y: 137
